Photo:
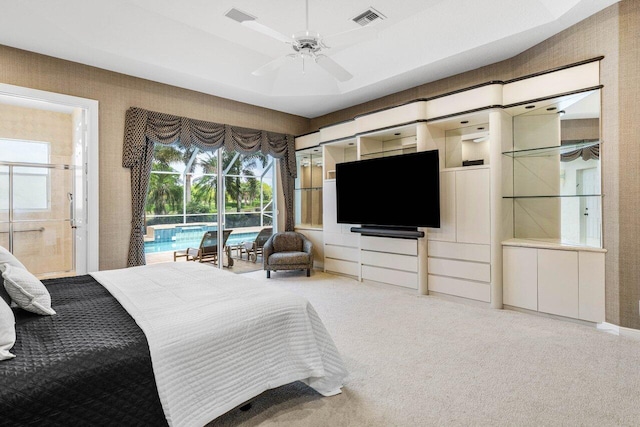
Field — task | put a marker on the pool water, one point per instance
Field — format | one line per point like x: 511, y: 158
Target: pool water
x: 234, y: 239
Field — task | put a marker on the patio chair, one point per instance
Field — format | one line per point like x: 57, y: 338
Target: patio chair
x: 255, y: 247
x: 208, y: 249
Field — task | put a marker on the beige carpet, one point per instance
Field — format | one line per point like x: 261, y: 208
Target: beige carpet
x: 427, y: 361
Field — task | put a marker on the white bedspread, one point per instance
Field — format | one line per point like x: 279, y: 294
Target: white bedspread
x: 217, y: 339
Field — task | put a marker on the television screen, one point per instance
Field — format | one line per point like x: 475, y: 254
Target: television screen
x: 394, y: 191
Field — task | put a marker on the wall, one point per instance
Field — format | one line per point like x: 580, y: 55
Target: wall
x: 612, y: 33
x: 115, y: 94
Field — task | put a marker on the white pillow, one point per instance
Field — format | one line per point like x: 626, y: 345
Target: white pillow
x: 7, y: 257
x: 7, y: 331
x: 26, y: 290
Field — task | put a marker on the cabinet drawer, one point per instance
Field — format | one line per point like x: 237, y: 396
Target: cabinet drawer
x: 386, y: 244
x: 350, y: 239
x: 343, y: 267
x: 461, y: 288
x: 461, y: 251
x: 394, y: 277
x: 341, y: 252
x: 393, y: 261
x: 461, y: 269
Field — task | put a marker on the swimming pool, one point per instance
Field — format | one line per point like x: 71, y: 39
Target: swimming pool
x: 234, y: 239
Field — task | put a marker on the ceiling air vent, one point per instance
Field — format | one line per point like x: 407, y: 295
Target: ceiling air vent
x: 368, y: 17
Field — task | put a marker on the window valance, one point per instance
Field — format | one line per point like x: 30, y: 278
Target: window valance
x: 144, y: 128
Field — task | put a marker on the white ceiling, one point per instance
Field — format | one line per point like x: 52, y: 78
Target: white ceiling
x: 192, y: 44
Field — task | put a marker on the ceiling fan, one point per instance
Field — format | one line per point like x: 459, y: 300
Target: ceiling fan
x: 307, y: 45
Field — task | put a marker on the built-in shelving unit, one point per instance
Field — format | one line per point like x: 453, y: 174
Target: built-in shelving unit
x: 309, y: 187
x: 519, y: 181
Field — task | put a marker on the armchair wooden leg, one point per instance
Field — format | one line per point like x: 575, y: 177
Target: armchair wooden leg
x: 308, y: 272
x: 268, y: 274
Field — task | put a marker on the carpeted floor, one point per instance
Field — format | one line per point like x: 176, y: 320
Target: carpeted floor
x: 428, y: 361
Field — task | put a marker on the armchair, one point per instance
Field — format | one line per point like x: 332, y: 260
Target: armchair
x: 288, y: 250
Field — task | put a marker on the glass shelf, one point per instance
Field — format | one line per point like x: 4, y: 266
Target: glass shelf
x: 552, y: 151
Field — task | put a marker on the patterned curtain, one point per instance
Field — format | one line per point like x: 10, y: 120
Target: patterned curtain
x: 587, y: 153
x: 144, y: 128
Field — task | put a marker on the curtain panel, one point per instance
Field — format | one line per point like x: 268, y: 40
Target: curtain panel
x: 144, y: 128
x: 586, y: 153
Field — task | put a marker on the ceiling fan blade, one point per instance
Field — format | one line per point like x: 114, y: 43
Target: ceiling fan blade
x: 256, y: 26
x: 333, y: 68
x: 271, y: 66
x: 250, y: 22
x: 351, y: 36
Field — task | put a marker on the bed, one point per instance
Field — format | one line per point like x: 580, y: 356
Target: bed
x: 174, y: 344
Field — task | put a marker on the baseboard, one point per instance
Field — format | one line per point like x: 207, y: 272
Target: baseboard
x: 619, y: 330
x: 549, y: 315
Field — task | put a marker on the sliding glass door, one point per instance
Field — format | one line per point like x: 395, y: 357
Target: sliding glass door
x: 187, y: 198
x: 37, y: 208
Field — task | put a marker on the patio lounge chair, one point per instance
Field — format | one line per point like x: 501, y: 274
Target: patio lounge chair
x: 254, y: 248
x: 208, y: 249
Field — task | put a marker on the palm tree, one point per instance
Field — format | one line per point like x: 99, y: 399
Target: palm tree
x: 167, y: 154
x: 244, y: 166
x: 164, y: 189
x: 207, y: 186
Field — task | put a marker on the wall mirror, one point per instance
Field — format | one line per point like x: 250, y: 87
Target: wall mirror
x: 556, y: 170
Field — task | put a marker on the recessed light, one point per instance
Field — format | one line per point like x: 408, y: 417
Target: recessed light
x: 551, y: 108
x: 528, y: 107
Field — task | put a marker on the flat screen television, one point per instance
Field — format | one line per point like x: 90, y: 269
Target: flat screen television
x: 401, y: 191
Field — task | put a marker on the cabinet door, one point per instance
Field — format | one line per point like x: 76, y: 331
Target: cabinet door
x: 473, y: 214
x: 330, y: 224
x: 520, y: 277
x: 591, y: 291
x: 447, y: 230
x: 558, y: 282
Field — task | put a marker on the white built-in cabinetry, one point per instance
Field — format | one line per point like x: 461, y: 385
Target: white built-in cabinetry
x: 388, y: 260
x: 501, y: 234
x: 341, y: 246
x: 566, y: 282
x: 460, y: 250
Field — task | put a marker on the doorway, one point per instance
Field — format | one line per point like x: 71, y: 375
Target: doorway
x: 49, y: 181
